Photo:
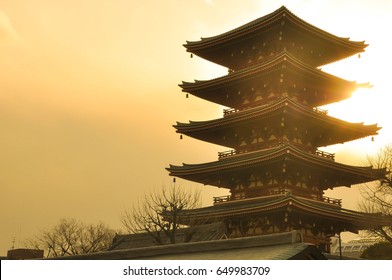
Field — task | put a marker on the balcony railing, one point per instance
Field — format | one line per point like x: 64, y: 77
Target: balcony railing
x: 229, y: 111
x: 325, y: 199
x: 252, y: 148
x: 278, y: 143
x: 226, y: 153
x: 219, y: 199
x: 336, y: 201
x: 325, y: 155
x: 320, y: 111
x: 232, y: 110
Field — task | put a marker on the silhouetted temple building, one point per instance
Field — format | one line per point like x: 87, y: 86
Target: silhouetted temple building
x: 275, y: 172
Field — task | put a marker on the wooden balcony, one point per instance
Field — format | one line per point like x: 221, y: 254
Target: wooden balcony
x: 325, y: 199
x: 276, y: 143
x: 229, y: 111
x: 226, y: 153
x: 325, y: 155
x: 320, y: 111
x: 219, y: 199
x: 252, y: 148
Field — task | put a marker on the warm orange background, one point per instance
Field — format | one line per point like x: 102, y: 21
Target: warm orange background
x: 88, y: 94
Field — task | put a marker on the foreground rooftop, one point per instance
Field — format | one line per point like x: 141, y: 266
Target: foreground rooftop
x: 281, y: 246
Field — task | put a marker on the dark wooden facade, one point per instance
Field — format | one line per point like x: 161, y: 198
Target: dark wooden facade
x: 275, y: 171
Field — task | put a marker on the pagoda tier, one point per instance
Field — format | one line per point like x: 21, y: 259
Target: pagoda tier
x: 285, y: 167
x: 268, y: 125
x: 318, y: 220
x: 256, y: 41
x: 281, y: 74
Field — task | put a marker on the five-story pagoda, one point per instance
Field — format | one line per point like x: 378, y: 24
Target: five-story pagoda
x: 274, y: 171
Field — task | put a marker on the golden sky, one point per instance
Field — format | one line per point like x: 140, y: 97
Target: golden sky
x: 88, y: 94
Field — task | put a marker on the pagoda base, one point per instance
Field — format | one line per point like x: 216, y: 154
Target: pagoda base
x: 311, y: 236
x: 317, y: 220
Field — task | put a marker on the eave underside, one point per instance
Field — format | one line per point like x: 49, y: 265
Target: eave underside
x: 269, y: 206
x: 329, y: 173
x: 282, y: 73
x: 295, y: 115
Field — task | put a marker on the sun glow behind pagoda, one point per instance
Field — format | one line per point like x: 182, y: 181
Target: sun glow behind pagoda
x: 275, y: 171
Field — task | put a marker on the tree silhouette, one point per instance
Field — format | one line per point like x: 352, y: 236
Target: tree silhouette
x: 158, y: 213
x: 72, y: 237
x: 378, y: 251
x: 377, y: 199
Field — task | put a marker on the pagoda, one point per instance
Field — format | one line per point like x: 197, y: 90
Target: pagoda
x: 273, y: 126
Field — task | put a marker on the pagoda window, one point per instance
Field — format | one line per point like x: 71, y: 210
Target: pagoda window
x: 264, y: 135
x: 252, y: 181
x: 264, y: 179
x: 304, y: 184
x: 271, y: 94
x: 258, y: 97
x: 259, y: 183
x: 257, y: 139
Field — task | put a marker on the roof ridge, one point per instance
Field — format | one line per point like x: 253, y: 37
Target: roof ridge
x: 272, y: 17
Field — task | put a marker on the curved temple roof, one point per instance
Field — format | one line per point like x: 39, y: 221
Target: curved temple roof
x: 210, y: 173
x: 357, y: 220
x: 209, y: 130
x: 214, y: 90
x: 211, y: 47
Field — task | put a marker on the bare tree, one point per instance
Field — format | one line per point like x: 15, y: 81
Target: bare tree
x: 72, y: 237
x: 377, y: 198
x: 158, y: 213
